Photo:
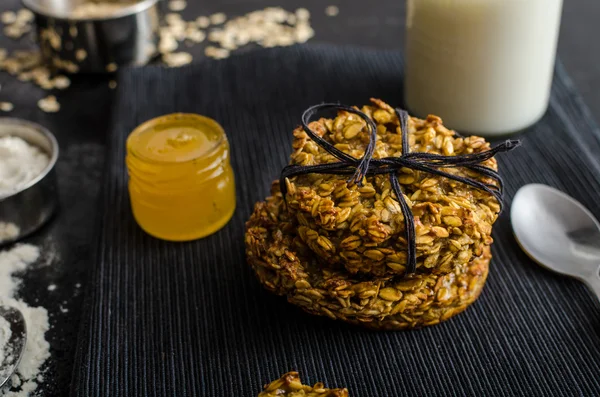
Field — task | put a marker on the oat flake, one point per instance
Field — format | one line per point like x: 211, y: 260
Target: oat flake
x: 49, y: 104
x: 6, y: 106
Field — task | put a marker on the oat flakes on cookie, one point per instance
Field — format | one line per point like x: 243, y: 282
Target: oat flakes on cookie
x: 362, y: 227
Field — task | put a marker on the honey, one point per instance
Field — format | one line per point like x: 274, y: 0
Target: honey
x: 181, y: 183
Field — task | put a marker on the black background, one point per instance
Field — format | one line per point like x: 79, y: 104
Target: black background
x: 82, y: 127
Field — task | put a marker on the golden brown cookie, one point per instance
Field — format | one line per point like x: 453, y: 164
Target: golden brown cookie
x: 361, y: 228
x: 289, y: 385
x: 285, y: 265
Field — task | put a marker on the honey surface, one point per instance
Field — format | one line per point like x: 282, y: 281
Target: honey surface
x: 180, y: 181
x: 175, y: 144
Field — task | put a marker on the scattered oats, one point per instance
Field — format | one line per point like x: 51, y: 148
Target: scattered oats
x: 111, y: 67
x: 80, y: 54
x: 216, y: 53
x: 332, y: 11
x: 218, y: 18
x: 73, y: 31
x: 49, y: 104
x: 176, y: 27
x: 276, y: 14
x: 203, y: 22
x: 65, y: 64
x: 173, y: 19
x: 17, y: 24
x: 25, y: 76
x: 177, y: 5
x: 41, y: 76
x: 302, y: 14
x: 63, y: 309
x: 61, y: 82
x: 229, y: 45
x: 15, y: 31
x: 28, y: 66
x: 24, y: 15
x: 78, y: 285
x: 216, y: 35
x: 51, y: 287
x: 112, y: 84
x: 8, y: 17
x: 6, y: 107
x: 175, y: 59
x: 278, y: 41
x: 270, y: 27
x: 167, y: 43
x: 197, y: 36
x: 51, y: 36
x: 303, y: 33
x: 291, y: 19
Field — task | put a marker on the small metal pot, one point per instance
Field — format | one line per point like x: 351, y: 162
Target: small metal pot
x: 33, y: 204
x: 128, y: 36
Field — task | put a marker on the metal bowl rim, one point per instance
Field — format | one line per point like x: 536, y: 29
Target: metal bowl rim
x: 53, y: 156
x: 133, y: 9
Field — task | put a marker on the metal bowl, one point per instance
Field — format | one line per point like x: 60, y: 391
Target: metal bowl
x: 34, y: 203
x: 98, y: 44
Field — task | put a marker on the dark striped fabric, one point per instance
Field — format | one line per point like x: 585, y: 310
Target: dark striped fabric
x: 189, y: 319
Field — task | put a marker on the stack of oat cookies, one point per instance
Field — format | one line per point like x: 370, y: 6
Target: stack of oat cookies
x: 340, y: 250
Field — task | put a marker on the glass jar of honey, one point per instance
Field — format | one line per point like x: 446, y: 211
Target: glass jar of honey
x: 181, y: 183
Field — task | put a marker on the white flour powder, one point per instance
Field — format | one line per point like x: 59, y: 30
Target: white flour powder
x: 5, y: 352
x: 20, y: 162
x: 37, y: 349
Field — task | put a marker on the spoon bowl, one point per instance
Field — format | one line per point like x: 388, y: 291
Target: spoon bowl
x: 15, y: 346
x: 557, y: 232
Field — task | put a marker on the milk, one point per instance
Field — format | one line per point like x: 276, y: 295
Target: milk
x: 484, y: 66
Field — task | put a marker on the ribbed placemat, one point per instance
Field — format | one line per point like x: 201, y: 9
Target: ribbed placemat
x: 166, y: 319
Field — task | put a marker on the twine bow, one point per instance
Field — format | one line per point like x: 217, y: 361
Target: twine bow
x: 368, y: 166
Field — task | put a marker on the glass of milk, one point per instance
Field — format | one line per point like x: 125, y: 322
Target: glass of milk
x: 484, y: 66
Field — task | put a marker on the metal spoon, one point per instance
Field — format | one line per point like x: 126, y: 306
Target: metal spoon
x: 558, y: 232
x: 16, y: 343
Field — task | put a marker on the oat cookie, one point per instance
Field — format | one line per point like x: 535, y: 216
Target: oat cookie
x: 361, y: 228
x: 289, y: 385
x: 285, y: 265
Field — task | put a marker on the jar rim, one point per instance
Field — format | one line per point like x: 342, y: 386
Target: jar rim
x: 197, y: 119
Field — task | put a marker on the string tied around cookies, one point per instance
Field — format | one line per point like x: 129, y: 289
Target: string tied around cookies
x: 359, y: 168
